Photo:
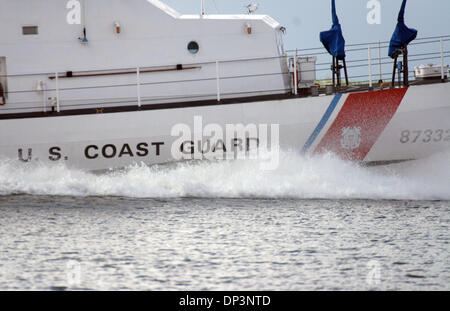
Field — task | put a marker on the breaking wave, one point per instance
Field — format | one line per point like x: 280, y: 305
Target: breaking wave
x: 324, y: 177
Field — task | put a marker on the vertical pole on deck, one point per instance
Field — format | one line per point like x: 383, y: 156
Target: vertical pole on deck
x: 442, y: 61
x: 345, y: 72
x: 405, y: 67
x: 138, y: 85
x: 57, y: 91
x: 394, y: 70
x: 379, y: 62
x: 338, y: 74
x: 44, y: 97
x: 295, y: 74
x: 333, y: 69
x: 218, y: 80
x: 370, y: 66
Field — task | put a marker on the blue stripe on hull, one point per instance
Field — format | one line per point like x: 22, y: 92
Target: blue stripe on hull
x: 322, y: 123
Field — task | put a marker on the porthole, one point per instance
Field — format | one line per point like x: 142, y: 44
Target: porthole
x: 193, y: 47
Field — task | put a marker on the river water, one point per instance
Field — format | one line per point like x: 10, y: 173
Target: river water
x: 311, y: 224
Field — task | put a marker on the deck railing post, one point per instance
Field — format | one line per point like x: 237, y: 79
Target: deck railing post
x: 138, y: 86
x: 218, y: 80
x: 57, y: 92
x: 370, y: 66
x: 379, y: 62
x: 442, y: 61
x: 44, y: 95
x: 295, y: 74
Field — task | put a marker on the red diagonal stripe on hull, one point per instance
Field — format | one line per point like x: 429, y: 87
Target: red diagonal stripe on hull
x: 360, y: 123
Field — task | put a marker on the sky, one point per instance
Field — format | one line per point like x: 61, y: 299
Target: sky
x: 304, y: 19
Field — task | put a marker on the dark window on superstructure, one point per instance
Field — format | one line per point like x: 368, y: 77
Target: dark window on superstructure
x: 193, y: 47
x: 30, y: 30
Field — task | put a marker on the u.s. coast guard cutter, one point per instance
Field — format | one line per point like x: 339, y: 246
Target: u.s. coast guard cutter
x: 103, y: 84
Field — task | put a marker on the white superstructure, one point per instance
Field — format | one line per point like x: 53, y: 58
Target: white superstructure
x: 114, y: 36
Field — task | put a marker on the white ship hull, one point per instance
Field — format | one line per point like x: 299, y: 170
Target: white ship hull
x: 379, y: 126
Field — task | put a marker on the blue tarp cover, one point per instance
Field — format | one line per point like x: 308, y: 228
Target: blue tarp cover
x: 333, y: 40
x: 402, y: 35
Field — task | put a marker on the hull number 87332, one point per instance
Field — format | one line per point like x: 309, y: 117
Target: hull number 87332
x: 424, y: 136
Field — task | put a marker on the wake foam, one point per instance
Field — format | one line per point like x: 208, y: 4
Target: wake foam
x: 324, y: 177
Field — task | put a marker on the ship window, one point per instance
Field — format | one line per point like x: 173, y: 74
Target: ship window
x: 29, y: 30
x: 193, y: 47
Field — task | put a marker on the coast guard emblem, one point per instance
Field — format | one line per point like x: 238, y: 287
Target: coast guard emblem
x: 351, y: 138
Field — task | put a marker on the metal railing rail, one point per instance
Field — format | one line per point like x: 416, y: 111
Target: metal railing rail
x: 216, y: 66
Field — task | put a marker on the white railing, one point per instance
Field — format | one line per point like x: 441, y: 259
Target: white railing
x: 218, y: 80
x: 138, y: 86
x: 356, y: 62
x: 57, y: 92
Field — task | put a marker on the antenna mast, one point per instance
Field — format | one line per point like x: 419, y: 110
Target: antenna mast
x: 202, y: 4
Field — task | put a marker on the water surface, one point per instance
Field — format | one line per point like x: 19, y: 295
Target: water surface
x: 319, y: 224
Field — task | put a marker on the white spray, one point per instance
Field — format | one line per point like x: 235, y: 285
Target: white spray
x: 325, y: 177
